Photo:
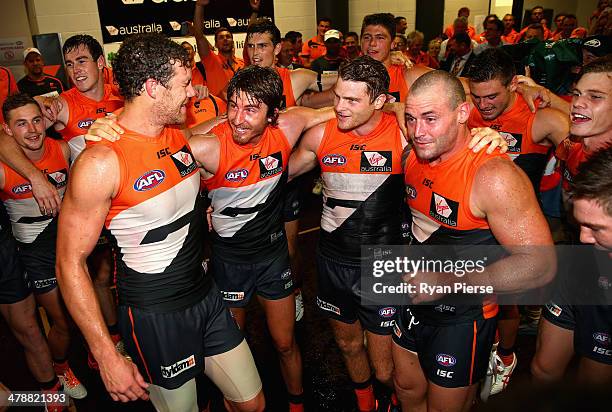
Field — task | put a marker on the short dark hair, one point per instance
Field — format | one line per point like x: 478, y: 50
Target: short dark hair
x: 261, y: 84
x: 146, y: 56
x: 559, y: 15
x: 351, y: 34
x: 91, y: 44
x: 293, y: 36
x: 16, y: 101
x: 594, y: 180
x: 387, y: 20
x: 463, y: 38
x: 327, y: 19
x: 536, y: 26
x: 536, y: 7
x: 492, y: 64
x: 452, y: 85
x: 499, y: 25
x: 399, y: 18
x: 367, y: 70
x: 462, y: 9
x: 600, y: 65
x: 220, y: 29
x: 570, y: 16
x: 263, y: 25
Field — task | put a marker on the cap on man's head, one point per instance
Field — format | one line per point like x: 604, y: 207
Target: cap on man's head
x: 331, y: 34
x: 599, y: 45
x: 31, y: 50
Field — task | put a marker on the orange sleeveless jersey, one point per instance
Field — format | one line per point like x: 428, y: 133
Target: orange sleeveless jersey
x: 573, y: 156
x: 439, y: 198
x: 288, y: 98
x: 22, y: 208
x: 398, y: 87
x: 363, y: 176
x: 516, y: 126
x: 199, y: 111
x: 83, y: 112
x: 156, y: 221
x: 246, y: 194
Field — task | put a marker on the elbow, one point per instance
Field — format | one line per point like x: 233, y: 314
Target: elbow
x: 547, y: 267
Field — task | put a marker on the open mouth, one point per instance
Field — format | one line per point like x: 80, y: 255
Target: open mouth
x: 578, y: 118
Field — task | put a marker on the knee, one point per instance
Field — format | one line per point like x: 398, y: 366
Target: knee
x: 102, y: 277
x: 384, y: 373
x: 350, y: 347
x: 541, y: 373
x: 257, y: 404
x: 285, y: 345
x: 31, y: 337
x: 413, y: 389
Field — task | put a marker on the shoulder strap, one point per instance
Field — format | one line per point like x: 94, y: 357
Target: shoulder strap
x: 201, y: 68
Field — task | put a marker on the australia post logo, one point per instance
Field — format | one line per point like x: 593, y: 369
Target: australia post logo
x: 85, y: 123
x: 334, y: 160
x: 237, y: 175
x: 178, y: 367
x: 444, y: 210
x: 446, y: 360
x: 149, y: 180
x: 270, y: 165
x: 376, y: 161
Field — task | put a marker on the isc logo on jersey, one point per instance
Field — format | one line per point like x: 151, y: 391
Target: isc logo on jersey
x: 85, y: 123
x: 445, y: 360
x: 58, y: 179
x: 183, y: 160
x: 237, y: 175
x: 376, y: 161
x: 334, y: 160
x: 22, y: 189
x: 178, y: 367
x: 270, y: 165
x: 149, y: 180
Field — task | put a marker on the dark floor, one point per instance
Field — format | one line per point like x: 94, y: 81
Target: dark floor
x: 326, y: 385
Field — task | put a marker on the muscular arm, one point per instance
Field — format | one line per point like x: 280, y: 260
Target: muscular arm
x: 204, y: 46
x: 303, y: 80
x: 550, y: 124
x: 295, y: 120
x: 304, y: 157
x: 44, y: 192
x: 502, y: 193
x: 205, y: 149
x: 79, y: 225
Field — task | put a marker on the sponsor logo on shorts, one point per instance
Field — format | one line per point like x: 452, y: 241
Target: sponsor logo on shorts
x: 604, y: 283
x: 602, y: 351
x: 446, y: 360
x: 232, y: 296
x: 592, y: 43
x: 387, y: 324
x: 149, y: 180
x: 45, y: 283
x: 333, y: 160
x: 286, y: 274
x: 376, y: 161
x: 444, y: 374
x: 270, y: 165
x: 387, y: 312
x: 22, y: 189
x: 412, y: 321
x: 327, y: 306
x: 59, y: 178
x: 445, y: 308
x: 411, y: 192
x: 183, y: 160
x: 602, y: 338
x: 554, y: 309
x: 276, y: 236
x: 237, y: 175
x: 85, y: 123
x: 444, y: 210
x: 288, y: 284
x: 178, y: 368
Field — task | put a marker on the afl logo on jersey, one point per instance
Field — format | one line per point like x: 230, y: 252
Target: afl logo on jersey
x: 446, y: 360
x: 334, y: 160
x: 237, y: 175
x: 85, y: 123
x: 149, y: 180
x: 22, y: 189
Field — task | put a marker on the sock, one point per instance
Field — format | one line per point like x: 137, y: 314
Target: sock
x: 60, y: 366
x: 394, y: 400
x: 506, y: 355
x: 365, y: 396
x: 296, y: 402
x: 53, y: 384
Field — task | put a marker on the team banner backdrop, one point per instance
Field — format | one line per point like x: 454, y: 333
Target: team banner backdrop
x: 120, y: 18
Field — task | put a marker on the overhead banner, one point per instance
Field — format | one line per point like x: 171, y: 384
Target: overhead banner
x: 120, y: 18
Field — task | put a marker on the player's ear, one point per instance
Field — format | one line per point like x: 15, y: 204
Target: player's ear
x: 101, y: 62
x: 7, y: 129
x: 151, y: 87
x: 513, y: 84
x: 463, y: 112
x: 380, y: 101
